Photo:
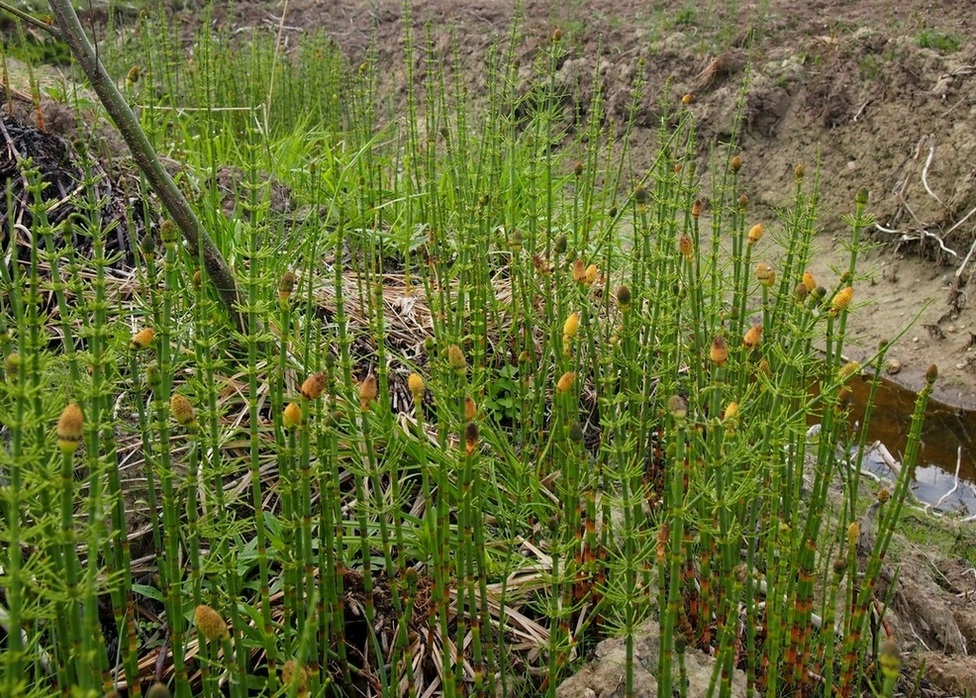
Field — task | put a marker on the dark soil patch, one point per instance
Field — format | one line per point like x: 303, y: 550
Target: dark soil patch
x: 34, y: 157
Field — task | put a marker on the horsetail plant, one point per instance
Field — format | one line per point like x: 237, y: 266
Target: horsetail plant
x: 522, y: 396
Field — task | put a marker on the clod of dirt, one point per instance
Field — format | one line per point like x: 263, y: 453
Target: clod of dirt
x: 932, y: 611
x: 61, y: 169
x: 766, y: 105
x: 829, y: 100
x: 604, y: 676
x: 725, y: 65
x: 954, y: 675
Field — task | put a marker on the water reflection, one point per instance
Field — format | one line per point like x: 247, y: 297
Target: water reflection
x: 948, y: 436
x: 933, y: 486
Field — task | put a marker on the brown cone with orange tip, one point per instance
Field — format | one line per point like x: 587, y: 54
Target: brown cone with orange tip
x: 313, y: 386
x: 579, y: 270
x: 752, y: 337
x: 640, y: 195
x: 182, y: 411
x: 416, y: 385
x: 367, y: 391
x: 565, y: 382
x: 142, y: 339
x: 589, y: 276
x: 755, y: 233
x: 623, y: 297
x: 456, y: 360
x: 719, y: 353
x: 293, y: 415
x: 470, y: 438
x: 678, y: 407
x: 842, y: 300
x: 571, y: 326
x: 286, y: 285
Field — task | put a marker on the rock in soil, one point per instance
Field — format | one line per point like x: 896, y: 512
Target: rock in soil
x: 603, y: 677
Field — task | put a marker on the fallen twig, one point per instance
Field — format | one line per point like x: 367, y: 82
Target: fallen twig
x: 960, y: 221
x: 969, y: 255
x: 925, y: 170
x: 917, y: 236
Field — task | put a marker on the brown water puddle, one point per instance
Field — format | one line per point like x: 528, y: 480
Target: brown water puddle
x: 948, y: 438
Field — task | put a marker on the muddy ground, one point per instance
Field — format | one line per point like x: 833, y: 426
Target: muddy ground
x: 880, y: 93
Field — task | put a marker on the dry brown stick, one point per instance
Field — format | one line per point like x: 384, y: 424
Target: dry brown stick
x: 969, y: 255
